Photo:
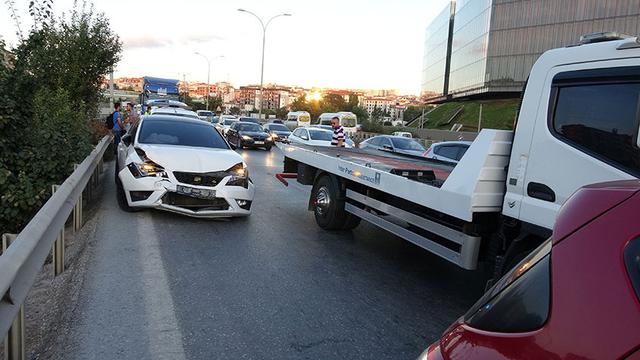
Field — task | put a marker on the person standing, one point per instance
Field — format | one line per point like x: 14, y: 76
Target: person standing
x: 118, y: 126
x: 337, y: 139
x: 133, y: 117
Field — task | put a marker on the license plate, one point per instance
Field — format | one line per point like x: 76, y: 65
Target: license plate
x: 259, y: 142
x: 197, y: 193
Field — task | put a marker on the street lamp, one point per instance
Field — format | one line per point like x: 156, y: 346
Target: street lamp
x: 264, y: 33
x: 208, y: 73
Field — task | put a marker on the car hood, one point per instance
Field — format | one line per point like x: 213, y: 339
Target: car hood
x: 253, y: 133
x: 281, y: 132
x: 191, y: 159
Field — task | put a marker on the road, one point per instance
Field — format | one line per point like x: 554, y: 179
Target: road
x: 271, y: 286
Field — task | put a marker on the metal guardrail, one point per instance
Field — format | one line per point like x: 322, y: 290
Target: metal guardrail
x: 23, y: 256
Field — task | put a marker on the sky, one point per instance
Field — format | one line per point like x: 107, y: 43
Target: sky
x: 357, y: 44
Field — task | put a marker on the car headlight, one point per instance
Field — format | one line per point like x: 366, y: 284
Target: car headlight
x: 146, y: 168
x: 245, y: 137
x: 239, y: 175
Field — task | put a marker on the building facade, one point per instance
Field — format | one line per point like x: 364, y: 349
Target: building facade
x: 494, y: 43
x: 274, y: 97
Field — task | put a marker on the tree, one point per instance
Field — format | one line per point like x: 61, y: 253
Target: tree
x: 281, y: 113
x: 47, y: 98
x: 333, y: 103
x: 234, y: 110
x: 361, y: 113
x: 376, y: 114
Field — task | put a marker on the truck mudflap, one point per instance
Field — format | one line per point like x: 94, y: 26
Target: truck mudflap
x: 453, y: 245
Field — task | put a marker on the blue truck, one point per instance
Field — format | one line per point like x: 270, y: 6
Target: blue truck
x: 158, y: 88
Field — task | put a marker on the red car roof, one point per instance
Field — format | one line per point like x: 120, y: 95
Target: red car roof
x: 589, y: 202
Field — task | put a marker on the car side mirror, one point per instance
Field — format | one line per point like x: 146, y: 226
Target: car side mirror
x: 127, y: 139
x: 387, y: 147
x: 304, y: 137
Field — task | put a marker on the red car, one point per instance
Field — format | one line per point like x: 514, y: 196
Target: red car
x: 575, y: 297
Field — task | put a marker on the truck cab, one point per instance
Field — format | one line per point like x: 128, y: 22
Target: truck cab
x: 578, y: 125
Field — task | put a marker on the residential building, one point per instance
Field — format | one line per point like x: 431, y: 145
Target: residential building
x: 486, y: 48
x: 387, y: 104
x: 129, y: 83
x: 274, y: 97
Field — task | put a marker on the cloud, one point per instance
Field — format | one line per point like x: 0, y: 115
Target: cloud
x: 152, y: 42
x: 143, y: 42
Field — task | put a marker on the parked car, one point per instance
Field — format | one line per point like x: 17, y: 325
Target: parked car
x: 576, y: 296
x: 181, y: 165
x: 451, y: 151
x: 313, y: 136
x: 243, y: 134
x: 403, y: 133
x: 394, y: 144
x: 175, y: 111
x: 347, y: 139
x: 278, y: 131
x: 250, y: 119
x: 205, y: 115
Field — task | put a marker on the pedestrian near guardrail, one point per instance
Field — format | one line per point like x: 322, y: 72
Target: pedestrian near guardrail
x: 118, y: 126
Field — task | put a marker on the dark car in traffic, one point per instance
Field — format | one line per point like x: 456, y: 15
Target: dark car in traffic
x: 577, y: 296
x: 243, y: 134
x: 250, y: 119
x: 278, y: 131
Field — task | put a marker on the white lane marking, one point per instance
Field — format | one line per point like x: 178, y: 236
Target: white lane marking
x: 163, y: 331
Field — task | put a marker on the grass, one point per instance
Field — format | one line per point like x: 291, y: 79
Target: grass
x: 496, y: 114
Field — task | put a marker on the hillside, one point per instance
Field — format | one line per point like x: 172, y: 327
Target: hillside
x: 496, y: 114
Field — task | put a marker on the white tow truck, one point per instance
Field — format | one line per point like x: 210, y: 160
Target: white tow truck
x: 578, y: 124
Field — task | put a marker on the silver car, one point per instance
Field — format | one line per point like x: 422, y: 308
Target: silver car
x: 394, y: 144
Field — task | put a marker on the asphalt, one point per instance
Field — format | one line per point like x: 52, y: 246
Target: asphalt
x: 271, y: 286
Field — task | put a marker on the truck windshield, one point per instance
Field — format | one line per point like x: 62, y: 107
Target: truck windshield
x: 348, y: 121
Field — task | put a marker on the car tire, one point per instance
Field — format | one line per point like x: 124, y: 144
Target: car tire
x: 327, y: 207
x: 122, y: 199
x: 268, y: 148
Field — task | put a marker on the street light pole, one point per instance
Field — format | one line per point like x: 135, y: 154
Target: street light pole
x: 264, y: 40
x: 208, y: 74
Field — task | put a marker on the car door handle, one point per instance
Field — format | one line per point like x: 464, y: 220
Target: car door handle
x: 541, y: 191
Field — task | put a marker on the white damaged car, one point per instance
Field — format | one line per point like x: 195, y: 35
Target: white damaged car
x: 181, y: 165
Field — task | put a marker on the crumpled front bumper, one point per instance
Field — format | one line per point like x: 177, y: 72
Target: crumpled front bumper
x: 161, y: 193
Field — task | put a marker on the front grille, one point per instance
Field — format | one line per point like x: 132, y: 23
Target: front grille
x: 201, y: 179
x: 192, y: 203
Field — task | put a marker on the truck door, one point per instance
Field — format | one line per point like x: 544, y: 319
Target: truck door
x: 587, y: 133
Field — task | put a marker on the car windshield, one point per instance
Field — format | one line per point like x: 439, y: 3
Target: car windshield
x: 247, y: 119
x: 407, y: 144
x: 205, y: 113
x: 320, y: 135
x: 249, y: 127
x: 230, y: 121
x: 181, y: 133
x: 278, y: 127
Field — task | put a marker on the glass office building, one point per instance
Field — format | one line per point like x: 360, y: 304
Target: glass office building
x: 434, y: 60
x: 494, y: 43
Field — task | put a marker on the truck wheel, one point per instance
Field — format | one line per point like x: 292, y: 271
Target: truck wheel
x: 351, y: 223
x: 327, y: 208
